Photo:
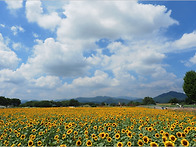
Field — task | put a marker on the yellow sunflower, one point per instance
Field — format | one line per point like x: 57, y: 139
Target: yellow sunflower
x: 169, y: 144
x: 39, y: 143
x: 129, y: 143
x: 78, y: 143
x: 89, y: 143
x: 109, y: 139
x: 119, y: 144
x: 140, y: 143
x: 30, y: 143
x: 184, y: 142
x: 117, y: 135
x: 172, y: 138
x: 154, y: 144
x: 145, y: 139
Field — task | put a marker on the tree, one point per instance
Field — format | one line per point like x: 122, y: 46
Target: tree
x: 173, y: 101
x: 15, y: 102
x: 189, y: 86
x: 74, y: 102
x: 148, y: 100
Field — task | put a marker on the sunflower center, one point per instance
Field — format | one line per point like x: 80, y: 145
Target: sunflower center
x: 184, y: 142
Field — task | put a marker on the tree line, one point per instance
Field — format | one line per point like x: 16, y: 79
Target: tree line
x: 9, y: 101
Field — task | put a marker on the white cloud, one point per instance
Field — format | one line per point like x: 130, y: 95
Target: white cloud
x: 188, y: 40
x: 14, y: 4
x: 17, y: 29
x: 112, y: 19
x: 35, y: 35
x: 47, y: 82
x: 34, y: 13
x: 8, y: 58
x: 193, y: 59
x: 9, y: 76
x: 2, y: 25
x: 54, y: 58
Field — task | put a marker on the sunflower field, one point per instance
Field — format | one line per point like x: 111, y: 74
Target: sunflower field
x: 100, y: 126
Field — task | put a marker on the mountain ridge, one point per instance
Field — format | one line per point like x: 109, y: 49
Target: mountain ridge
x: 166, y: 97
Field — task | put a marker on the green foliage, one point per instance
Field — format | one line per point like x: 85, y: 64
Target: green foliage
x: 8, y: 101
x: 189, y: 86
x: 132, y: 103
x: 148, y: 101
x: 173, y: 101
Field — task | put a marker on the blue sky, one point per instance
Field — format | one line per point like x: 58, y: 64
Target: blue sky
x: 66, y: 49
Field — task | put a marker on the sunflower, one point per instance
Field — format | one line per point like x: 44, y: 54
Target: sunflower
x: 171, y: 129
x: 169, y: 144
x: 89, y: 143
x: 56, y: 137
x: 78, y: 143
x: 18, y: 134
x: 140, y: 135
x: 30, y: 143
x: 69, y: 131
x: 129, y: 143
x: 119, y: 144
x: 10, y: 130
x: 140, y: 143
x: 40, y: 133
x: 184, y: 142
x: 109, y: 139
x: 109, y: 128
x: 117, y: 135
x: 164, y: 138
x: 39, y: 143
x: 150, y: 129
x: 63, y: 145
x: 123, y: 131
x: 145, y: 139
x: 19, y: 144
x: 86, y: 132
x: 75, y: 133
x: 22, y: 137
x: 157, y: 135
x: 161, y: 132
x: 93, y: 135
x: 129, y: 134
x: 63, y: 136
x: 154, y: 144
x: 102, y: 135
x: 172, y: 138
x: 183, y: 135
x: 33, y: 130
x: 32, y: 137
x: 95, y: 138
x: 166, y: 134
x: 179, y: 134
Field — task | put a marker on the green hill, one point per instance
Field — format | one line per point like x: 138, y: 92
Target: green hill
x: 165, y: 97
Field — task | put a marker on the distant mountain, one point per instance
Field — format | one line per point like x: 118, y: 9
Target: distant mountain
x: 165, y: 97
x: 105, y: 99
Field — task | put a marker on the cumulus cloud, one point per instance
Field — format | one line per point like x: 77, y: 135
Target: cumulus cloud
x: 8, y: 58
x: 47, y: 82
x: 54, y: 58
x: 14, y: 4
x: 113, y: 20
x: 10, y: 76
x: 188, y: 40
x: 193, y: 59
x: 35, y: 13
